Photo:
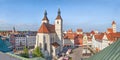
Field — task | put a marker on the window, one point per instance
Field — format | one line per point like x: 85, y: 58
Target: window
x: 51, y: 40
x: 44, y: 38
x: 57, y: 22
x: 40, y: 45
x: 45, y: 46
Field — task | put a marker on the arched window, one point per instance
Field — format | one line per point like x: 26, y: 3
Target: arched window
x: 45, y: 46
x: 40, y: 45
x: 44, y: 39
x: 57, y: 22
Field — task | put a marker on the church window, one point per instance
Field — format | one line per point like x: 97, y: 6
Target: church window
x: 40, y: 45
x: 45, y: 46
x: 57, y: 22
x: 44, y: 38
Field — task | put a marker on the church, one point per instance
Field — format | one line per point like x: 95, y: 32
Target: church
x: 49, y: 36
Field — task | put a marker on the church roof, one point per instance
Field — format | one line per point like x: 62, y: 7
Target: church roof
x: 111, y: 52
x: 47, y: 28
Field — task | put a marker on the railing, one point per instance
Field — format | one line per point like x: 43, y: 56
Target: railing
x: 92, y: 50
x: 19, y: 57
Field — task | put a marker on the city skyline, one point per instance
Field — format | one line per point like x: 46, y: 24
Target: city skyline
x: 88, y: 15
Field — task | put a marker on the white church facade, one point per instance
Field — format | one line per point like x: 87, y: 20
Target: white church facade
x: 49, y: 36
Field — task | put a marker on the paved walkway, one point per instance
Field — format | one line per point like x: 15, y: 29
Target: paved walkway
x: 77, y: 54
x: 4, y: 56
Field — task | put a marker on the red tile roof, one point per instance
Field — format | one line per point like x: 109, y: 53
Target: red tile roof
x: 99, y: 36
x: 110, y: 30
x: 46, y: 28
x: 69, y: 36
x: 79, y: 30
x: 70, y: 31
x: 113, y: 36
x: 92, y: 32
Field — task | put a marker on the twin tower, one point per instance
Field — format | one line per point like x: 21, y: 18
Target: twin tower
x: 58, y: 23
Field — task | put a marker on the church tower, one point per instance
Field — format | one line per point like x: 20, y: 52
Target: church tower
x: 13, y: 30
x: 58, y: 27
x: 114, y: 26
x: 45, y: 19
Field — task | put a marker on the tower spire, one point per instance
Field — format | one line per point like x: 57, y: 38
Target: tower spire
x: 45, y: 19
x: 114, y: 26
x: 59, y: 15
x: 14, y: 29
x: 59, y: 11
x: 45, y: 13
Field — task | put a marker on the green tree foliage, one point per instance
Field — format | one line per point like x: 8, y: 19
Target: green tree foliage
x: 25, y: 53
x: 37, y: 52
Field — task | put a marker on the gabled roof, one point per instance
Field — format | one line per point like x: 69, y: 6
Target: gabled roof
x: 99, y: 36
x: 92, y: 32
x: 111, y: 52
x: 69, y: 36
x: 70, y: 31
x: 79, y: 30
x: 110, y: 30
x: 46, y: 28
x: 113, y: 36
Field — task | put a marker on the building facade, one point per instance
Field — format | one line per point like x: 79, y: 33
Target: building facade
x: 49, y: 36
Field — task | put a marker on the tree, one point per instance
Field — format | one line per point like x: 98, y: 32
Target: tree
x: 25, y: 53
x: 37, y: 52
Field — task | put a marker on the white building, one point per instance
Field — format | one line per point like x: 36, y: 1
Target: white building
x: 31, y: 40
x: 49, y: 36
x: 20, y: 41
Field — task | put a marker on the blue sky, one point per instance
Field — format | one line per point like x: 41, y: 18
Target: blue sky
x: 86, y: 14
